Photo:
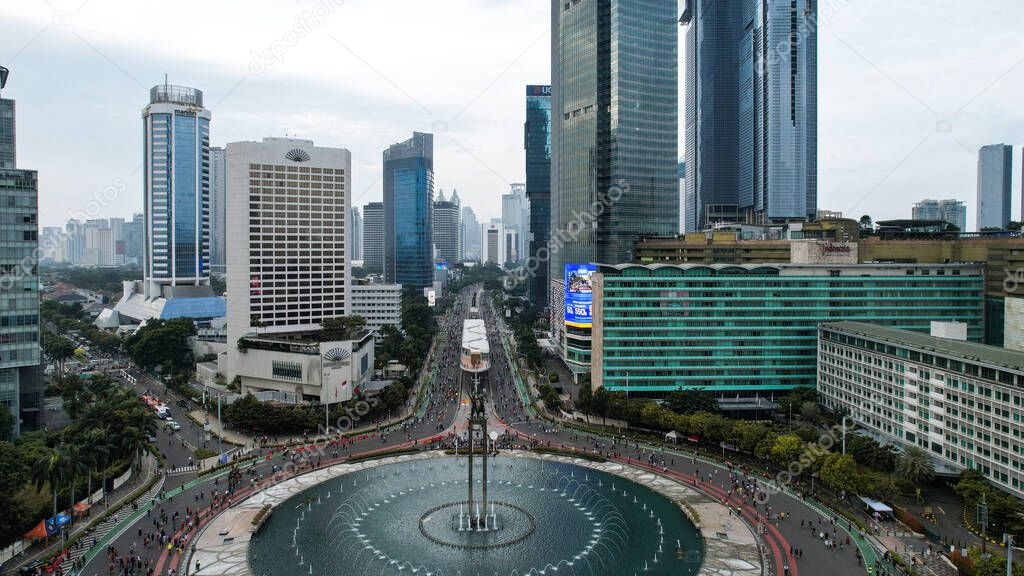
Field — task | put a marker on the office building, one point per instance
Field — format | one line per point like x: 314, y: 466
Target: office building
x: 288, y: 270
x: 951, y: 211
x: 51, y: 243
x: 218, y: 208
x: 515, y: 217
x: 995, y: 172
x: 960, y: 401
x: 356, y: 228
x: 134, y: 239
x: 493, y: 244
x: 8, y: 139
x: 750, y: 330
x: 447, y: 227
x: 176, y: 184
x: 373, y: 238
x: 537, y: 142
x: 614, y: 132
x: 408, y: 212
x: 751, y: 111
x: 21, y: 386
x: 379, y: 304
x: 470, y: 236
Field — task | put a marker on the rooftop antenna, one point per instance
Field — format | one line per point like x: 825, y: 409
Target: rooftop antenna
x: 165, y: 80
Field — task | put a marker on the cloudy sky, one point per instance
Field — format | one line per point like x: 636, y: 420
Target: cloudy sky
x: 908, y: 90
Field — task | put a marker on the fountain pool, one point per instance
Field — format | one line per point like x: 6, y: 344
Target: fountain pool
x: 542, y: 517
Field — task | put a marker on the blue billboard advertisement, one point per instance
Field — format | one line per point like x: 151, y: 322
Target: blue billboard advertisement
x: 578, y: 294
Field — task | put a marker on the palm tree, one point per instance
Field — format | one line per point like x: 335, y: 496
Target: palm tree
x: 50, y: 469
x: 75, y: 465
x: 914, y: 465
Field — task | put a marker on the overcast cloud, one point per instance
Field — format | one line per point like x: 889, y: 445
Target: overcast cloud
x: 908, y: 91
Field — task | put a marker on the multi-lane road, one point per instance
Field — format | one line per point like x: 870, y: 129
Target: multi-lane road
x: 145, y: 542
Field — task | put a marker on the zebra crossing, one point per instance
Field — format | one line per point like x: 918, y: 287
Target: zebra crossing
x: 182, y: 470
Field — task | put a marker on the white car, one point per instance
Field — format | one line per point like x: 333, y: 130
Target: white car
x: 173, y: 425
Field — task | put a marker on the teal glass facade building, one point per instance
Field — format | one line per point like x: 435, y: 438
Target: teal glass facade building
x: 752, y: 329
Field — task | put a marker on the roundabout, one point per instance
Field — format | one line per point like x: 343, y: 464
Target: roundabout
x: 553, y: 514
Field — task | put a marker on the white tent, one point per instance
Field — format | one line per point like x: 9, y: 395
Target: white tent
x: 673, y: 436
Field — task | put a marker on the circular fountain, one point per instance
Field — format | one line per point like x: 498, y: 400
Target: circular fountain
x: 543, y: 517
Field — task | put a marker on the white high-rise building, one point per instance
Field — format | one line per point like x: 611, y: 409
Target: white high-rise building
x: 515, y: 217
x: 469, y: 238
x: 493, y: 244
x: 288, y: 240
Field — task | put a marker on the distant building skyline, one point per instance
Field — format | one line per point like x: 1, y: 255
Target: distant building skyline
x: 373, y: 238
x: 952, y: 211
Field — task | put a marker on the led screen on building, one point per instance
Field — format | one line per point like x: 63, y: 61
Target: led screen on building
x: 578, y: 294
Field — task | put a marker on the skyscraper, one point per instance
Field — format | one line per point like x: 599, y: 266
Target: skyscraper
x: 176, y: 135
x: 952, y: 211
x: 408, y: 212
x: 537, y: 141
x: 995, y: 171
x: 614, y: 149
x: 218, y: 208
x: 751, y: 111
x: 447, y: 224
x: 470, y: 236
x: 287, y: 271
x: 515, y: 217
x: 356, y: 228
x: 373, y: 238
x: 21, y: 387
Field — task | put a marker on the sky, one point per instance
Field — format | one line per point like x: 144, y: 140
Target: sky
x: 908, y: 91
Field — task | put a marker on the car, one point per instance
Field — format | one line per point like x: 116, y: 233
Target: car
x: 173, y: 425
x: 182, y: 404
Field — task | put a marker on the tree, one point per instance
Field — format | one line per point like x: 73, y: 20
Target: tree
x: 786, y: 449
x: 163, y: 343
x: 839, y: 471
x: 341, y: 328
x: 691, y: 401
x: 866, y: 223
x: 6, y: 422
x: 914, y: 465
x: 58, y: 349
x: 14, y: 474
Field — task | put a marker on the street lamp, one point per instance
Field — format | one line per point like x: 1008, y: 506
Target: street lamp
x: 845, y: 418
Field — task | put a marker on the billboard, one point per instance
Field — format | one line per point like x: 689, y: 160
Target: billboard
x: 578, y: 294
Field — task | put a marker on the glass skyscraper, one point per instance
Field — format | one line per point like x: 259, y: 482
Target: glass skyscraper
x: 614, y: 106
x: 21, y: 388
x: 176, y: 133
x: 751, y: 111
x: 995, y: 171
x: 537, y: 136
x: 408, y: 211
